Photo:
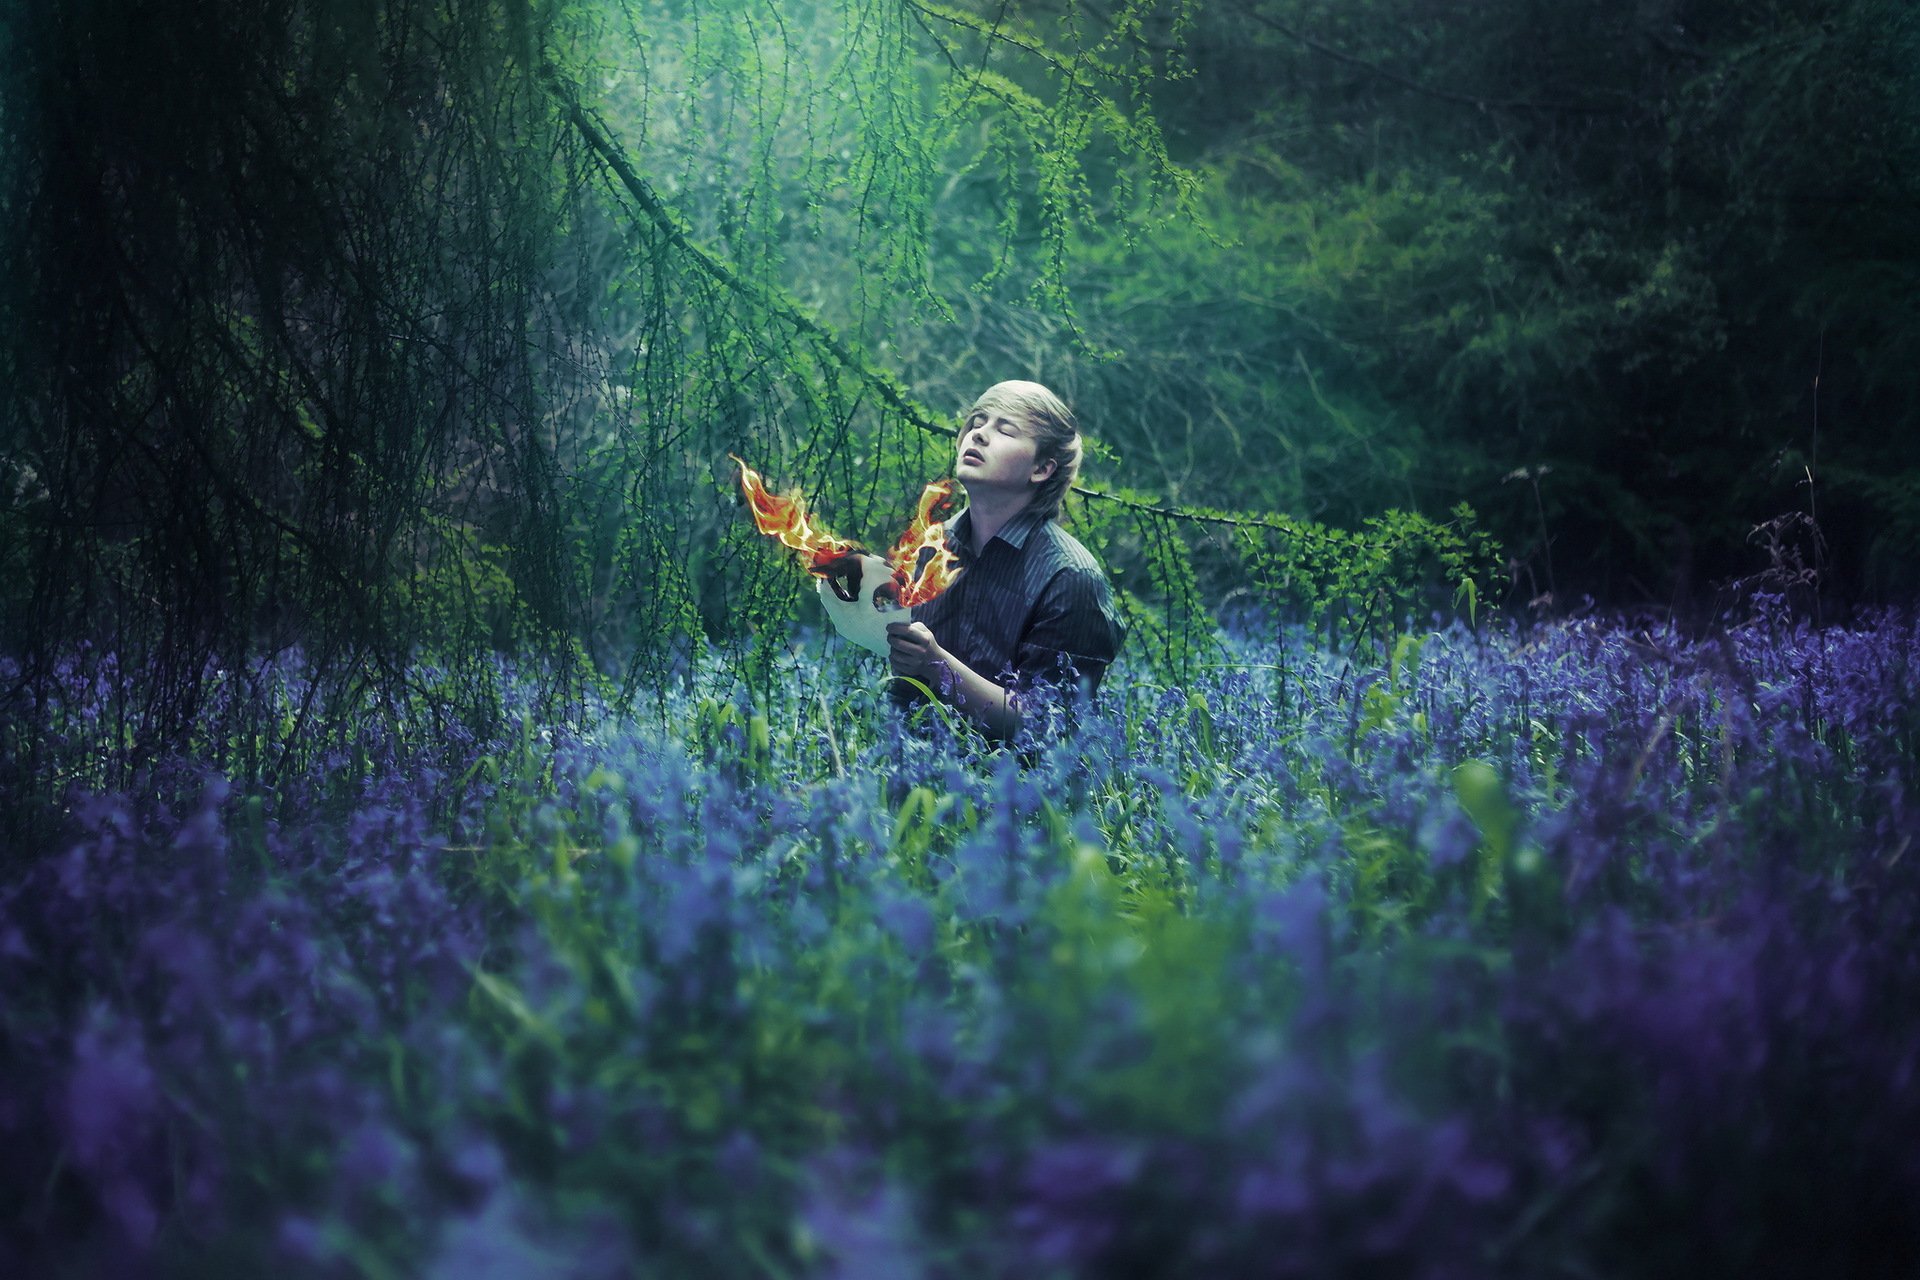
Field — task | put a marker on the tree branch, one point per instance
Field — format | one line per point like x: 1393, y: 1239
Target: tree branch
x: 601, y: 142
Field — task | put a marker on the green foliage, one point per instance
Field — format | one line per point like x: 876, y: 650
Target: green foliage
x: 388, y: 333
x: 1649, y: 256
x: 1893, y: 501
x: 1372, y: 583
x: 1390, y: 334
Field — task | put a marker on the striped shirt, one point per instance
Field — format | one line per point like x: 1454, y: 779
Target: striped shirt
x: 1032, y: 609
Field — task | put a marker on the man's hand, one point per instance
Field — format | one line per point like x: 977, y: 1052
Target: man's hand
x: 914, y: 652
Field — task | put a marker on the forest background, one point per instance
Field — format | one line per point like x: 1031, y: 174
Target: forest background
x: 396, y: 331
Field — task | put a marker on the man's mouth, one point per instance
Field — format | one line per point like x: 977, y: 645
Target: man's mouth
x: 972, y: 455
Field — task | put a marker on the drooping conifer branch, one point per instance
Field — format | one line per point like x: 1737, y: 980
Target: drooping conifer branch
x: 766, y: 297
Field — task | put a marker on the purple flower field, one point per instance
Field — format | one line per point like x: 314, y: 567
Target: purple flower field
x: 1581, y: 951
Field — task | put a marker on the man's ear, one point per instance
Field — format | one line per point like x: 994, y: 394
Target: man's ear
x: 1043, y: 471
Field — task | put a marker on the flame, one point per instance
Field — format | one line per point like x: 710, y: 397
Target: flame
x: 787, y: 519
x: 914, y: 582
x: 922, y: 566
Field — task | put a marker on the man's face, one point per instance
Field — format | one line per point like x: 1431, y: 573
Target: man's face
x: 996, y: 452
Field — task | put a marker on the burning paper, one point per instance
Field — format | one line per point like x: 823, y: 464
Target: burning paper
x: 862, y: 593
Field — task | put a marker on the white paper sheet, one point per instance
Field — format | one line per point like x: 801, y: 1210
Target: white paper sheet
x: 859, y: 620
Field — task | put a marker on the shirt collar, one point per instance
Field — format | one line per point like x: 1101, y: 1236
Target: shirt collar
x: 1014, y: 532
x: 1021, y: 527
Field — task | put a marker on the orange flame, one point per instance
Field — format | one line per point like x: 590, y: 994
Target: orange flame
x: 922, y: 566
x: 787, y: 519
x: 916, y: 582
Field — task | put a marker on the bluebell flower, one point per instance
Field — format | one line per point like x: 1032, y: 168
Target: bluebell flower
x: 862, y: 1223
x: 910, y: 922
x: 1447, y: 834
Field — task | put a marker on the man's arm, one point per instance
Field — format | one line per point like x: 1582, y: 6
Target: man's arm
x: 1074, y: 634
x: 915, y: 653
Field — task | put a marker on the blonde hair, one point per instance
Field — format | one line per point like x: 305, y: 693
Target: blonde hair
x: 1047, y: 419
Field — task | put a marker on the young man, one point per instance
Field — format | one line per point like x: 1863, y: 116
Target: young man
x: 1031, y: 614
